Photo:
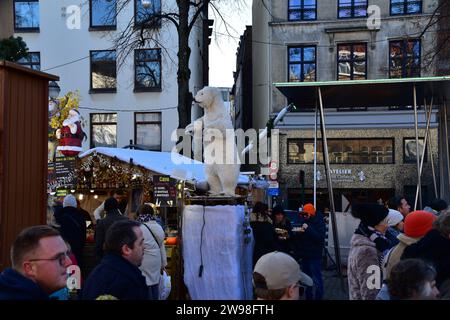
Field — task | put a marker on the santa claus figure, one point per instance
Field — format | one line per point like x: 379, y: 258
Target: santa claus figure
x: 71, y: 135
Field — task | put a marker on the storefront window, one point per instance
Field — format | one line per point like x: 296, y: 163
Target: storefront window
x: 344, y: 151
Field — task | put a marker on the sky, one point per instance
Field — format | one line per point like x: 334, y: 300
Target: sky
x: 223, y: 48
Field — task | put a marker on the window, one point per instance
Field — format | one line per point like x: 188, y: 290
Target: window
x: 103, y: 14
x: 103, y: 71
x: 352, y: 8
x: 404, y: 58
x: 405, y: 7
x: 26, y: 15
x: 144, y: 10
x: 103, y: 130
x: 33, y: 61
x: 147, y: 130
x: 147, y: 69
x: 302, y: 63
x: 342, y: 151
x: 302, y: 10
x: 352, y: 61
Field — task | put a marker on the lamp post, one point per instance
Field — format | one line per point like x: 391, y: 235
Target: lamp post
x: 53, y: 92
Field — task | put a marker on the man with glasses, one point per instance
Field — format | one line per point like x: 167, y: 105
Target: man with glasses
x: 277, y: 276
x: 39, y: 259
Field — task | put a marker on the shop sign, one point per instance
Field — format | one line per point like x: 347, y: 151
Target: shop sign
x: 274, y: 188
x: 343, y: 175
x: 164, y: 191
x: 64, y: 172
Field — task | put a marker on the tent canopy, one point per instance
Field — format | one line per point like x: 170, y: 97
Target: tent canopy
x: 367, y: 93
x: 166, y: 163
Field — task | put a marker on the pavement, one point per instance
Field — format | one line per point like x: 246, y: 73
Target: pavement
x: 332, y: 285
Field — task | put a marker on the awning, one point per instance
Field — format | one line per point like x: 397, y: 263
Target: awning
x: 367, y: 93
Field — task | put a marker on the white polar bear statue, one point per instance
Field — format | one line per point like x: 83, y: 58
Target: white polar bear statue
x: 221, y: 159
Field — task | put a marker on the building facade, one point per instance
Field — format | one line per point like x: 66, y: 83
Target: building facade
x: 370, y: 149
x: 132, y: 100
x: 242, y: 90
x: 6, y: 17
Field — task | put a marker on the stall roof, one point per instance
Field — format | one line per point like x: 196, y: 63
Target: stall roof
x: 367, y: 93
x: 167, y: 163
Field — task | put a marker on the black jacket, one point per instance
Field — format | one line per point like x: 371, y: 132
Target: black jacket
x: 265, y: 239
x: 73, y: 230
x: 14, y: 286
x: 434, y: 248
x: 103, y: 226
x: 115, y: 276
x: 284, y: 243
x: 309, y: 244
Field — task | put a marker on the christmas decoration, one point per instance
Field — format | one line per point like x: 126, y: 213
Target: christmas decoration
x: 71, y: 135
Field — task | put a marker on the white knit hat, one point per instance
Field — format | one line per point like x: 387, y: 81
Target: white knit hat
x: 70, y: 201
x: 393, y: 218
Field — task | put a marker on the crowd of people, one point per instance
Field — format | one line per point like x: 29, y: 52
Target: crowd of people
x: 394, y: 254
x: 131, y: 256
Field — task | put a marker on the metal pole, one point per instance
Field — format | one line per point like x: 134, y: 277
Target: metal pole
x: 419, y: 183
x: 425, y: 140
x: 315, y: 156
x: 431, y: 156
x: 446, y: 143
x: 330, y: 191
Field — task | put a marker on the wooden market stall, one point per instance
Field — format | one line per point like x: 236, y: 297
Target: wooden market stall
x: 23, y: 151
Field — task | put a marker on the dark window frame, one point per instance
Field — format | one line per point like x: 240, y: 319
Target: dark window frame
x: 137, y: 24
x: 351, y: 60
x: 352, y: 10
x: 405, y: 8
x: 30, y: 64
x: 302, y: 11
x: 138, y: 88
x: 136, y: 123
x: 20, y: 29
x: 319, y: 141
x: 101, y: 27
x: 100, y: 90
x: 405, y: 161
x: 404, y: 57
x: 91, y: 125
x: 302, y: 62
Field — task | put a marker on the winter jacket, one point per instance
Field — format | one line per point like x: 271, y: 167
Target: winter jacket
x: 434, y: 248
x: 154, y: 252
x: 392, y: 234
x: 309, y: 244
x: 394, y: 255
x: 363, y: 254
x: 73, y: 230
x: 14, y: 286
x: 115, y: 276
x: 103, y: 226
x: 284, y: 240
x: 265, y: 239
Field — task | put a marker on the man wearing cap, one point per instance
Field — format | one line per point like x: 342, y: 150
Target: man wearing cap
x: 309, y: 241
x: 277, y: 276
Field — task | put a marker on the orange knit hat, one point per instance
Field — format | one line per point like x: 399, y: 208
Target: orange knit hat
x: 309, y: 209
x: 418, y: 223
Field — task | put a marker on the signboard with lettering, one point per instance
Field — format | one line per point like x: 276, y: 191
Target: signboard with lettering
x: 51, y: 178
x: 65, y: 172
x: 164, y: 191
x: 343, y: 175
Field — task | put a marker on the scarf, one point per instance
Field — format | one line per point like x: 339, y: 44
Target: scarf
x: 143, y: 218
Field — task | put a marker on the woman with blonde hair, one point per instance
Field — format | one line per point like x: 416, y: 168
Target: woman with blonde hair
x: 154, y: 260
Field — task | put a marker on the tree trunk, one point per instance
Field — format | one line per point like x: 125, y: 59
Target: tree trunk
x: 184, y: 73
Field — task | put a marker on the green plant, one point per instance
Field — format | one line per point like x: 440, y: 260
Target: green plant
x: 13, y: 49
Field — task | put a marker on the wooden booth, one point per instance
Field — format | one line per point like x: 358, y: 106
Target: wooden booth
x: 23, y: 151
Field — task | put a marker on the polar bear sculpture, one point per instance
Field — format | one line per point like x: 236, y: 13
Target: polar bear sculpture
x: 219, y: 147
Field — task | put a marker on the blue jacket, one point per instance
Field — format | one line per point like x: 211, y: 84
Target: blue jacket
x: 115, y: 276
x: 14, y: 286
x: 309, y: 244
